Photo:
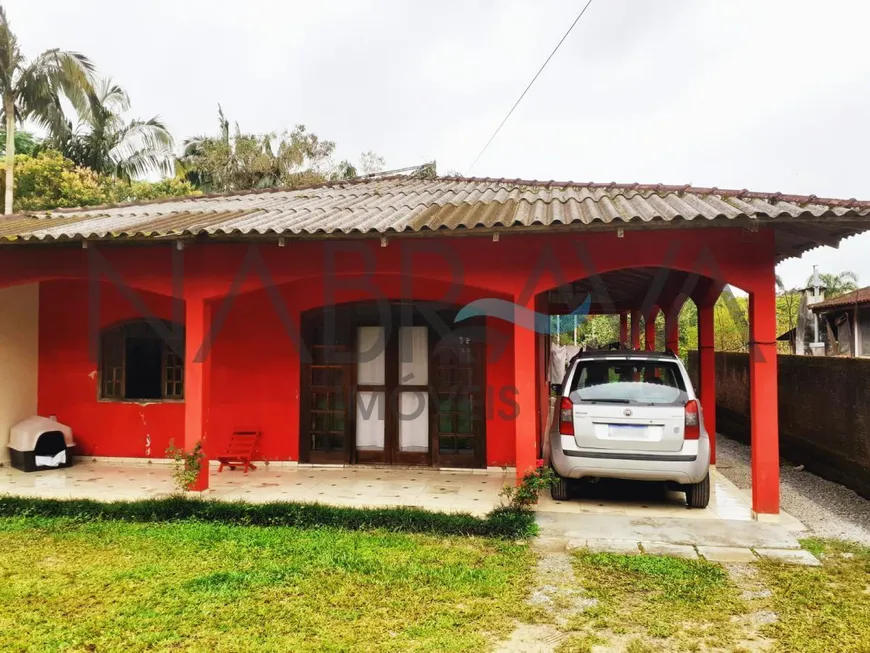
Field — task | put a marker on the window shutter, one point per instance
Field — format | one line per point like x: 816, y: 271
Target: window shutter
x: 112, y: 365
x: 173, y: 369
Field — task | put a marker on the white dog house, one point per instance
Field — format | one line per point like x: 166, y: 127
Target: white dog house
x: 40, y: 443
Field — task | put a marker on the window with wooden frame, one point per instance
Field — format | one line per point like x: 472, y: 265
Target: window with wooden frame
x: 139, y: 364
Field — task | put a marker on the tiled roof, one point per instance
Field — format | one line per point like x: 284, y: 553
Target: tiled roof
x: 401, y: 204
x: 860, y: 296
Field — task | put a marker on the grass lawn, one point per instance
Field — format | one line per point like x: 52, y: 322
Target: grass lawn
x: 202, y: 586
x: 190, y: 585
x: 823, y: 608
x: 645, y: 603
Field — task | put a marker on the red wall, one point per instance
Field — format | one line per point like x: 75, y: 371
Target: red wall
x: 68, y: 377
x: 255, y: 375
x: 254, y: 365
x: 255, y: 379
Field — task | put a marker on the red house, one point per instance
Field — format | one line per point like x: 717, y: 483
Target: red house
x: 326, y: 317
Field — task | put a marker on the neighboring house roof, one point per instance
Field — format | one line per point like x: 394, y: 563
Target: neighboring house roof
x: 401, y: 204
x: 860, y: 297
x: 787, y: 336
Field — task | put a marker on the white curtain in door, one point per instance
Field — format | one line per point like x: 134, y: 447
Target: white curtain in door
x: 413, y: 404
x: 414, y: 421
x: 371, y: 370
x: 414, y: 355
x: 371, y: 355
x: 370, y: 407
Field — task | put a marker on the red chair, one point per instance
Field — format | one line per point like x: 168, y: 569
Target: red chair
x: 240, y: 450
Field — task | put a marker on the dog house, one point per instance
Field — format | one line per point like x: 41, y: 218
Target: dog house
x: 40, y: 443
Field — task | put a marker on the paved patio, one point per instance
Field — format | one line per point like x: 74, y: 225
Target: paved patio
x: 476, y: 492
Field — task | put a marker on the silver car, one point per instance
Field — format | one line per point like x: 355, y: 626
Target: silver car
x: 631, y: 415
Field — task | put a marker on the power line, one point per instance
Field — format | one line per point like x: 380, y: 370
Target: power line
x: 558, y: 45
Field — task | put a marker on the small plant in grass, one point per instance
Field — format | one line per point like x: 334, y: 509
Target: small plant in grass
x: 186, y: 466
x: 525, y: 495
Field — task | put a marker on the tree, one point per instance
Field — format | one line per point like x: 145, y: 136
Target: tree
x: 32, y: 90
x: 241, y: 161
x: 105, y: 143
x: 244, y: 161
x: 25, y: 142
x: 594, y: 331
x: 787, y: 305
x: 369, y: 164
x: 837, y: 284
x: 731, y: 315
x: 48, y: 181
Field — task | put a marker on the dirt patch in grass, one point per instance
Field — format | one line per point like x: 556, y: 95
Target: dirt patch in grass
x: 591, y: 602
x: 641, y: 603
x: 676, y: 603
x: 195, y: 586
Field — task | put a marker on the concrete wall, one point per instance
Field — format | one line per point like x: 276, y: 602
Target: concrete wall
x: 824, y: 412
x: 19, y: 358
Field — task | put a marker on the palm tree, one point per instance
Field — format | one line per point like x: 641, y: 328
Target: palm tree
x: 837, y: 284
x: 241, y: 161
x: 32, y: 90
x: 103, y: 142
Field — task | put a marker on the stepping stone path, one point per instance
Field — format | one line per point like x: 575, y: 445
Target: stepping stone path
x: 692, y: 552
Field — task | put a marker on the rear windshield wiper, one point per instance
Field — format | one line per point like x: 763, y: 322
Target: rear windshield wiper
x: 606, y: 401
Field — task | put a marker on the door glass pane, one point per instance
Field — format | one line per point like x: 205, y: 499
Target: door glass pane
x: 414, y: 355
x: 371, y: 355
x: 370, y: 414
x: 414, y: 421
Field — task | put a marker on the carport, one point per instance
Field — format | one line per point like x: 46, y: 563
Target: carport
x: 688, y: 271
x: 639, y: 271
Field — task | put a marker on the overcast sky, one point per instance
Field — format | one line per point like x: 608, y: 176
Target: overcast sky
x: 770, y: 95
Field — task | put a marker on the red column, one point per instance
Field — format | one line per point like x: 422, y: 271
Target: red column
x: 635, y: 330
x: 707, y: 372
x: 672, y: 329
x: 763, y: 401
x: 623, y: 329
x: 197, y: 356
x: 526, y: 422
x: 649, y: 325
x: 542, y: 354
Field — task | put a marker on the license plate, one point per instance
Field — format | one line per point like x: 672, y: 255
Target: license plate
x: 627, y: 431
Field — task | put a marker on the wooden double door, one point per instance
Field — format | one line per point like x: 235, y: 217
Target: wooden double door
x: 393, y: 386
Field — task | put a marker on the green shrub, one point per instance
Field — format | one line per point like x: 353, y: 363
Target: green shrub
x: 501, y: 522
x: 525, y: 495
x: 185, y: 466
x: 49, y: 181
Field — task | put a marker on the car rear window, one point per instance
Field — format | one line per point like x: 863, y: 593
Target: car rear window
x: 627, y: 381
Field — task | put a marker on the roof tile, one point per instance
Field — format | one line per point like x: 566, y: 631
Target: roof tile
x: 860, y: 296
x: 405, y: 204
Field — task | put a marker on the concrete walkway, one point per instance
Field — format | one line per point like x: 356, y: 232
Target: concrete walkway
x: 715, y: 540
x: 704, y: 532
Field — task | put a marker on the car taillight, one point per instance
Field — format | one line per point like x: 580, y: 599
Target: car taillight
x: 566, y: 417
x: 693, y: 421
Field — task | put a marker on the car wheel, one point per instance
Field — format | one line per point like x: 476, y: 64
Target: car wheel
x: 698, y: 494
x: 560, y: 491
